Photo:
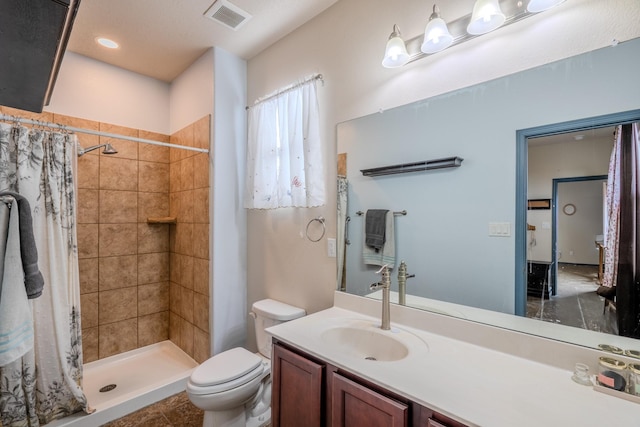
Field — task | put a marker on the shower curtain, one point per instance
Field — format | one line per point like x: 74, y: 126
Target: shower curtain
x: 45, y: 383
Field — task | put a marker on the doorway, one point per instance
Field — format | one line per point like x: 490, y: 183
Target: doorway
x: 524, y: 193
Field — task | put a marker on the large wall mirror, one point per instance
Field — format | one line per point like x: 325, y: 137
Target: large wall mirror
x: 464, y: 235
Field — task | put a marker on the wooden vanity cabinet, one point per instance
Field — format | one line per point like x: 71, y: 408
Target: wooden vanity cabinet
x: 312, y: 393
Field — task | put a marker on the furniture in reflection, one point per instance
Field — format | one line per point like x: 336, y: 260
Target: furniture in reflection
x: 600, y: 246
x: 538, y: 279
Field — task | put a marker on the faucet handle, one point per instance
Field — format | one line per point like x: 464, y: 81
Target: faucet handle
x: 383, y: 269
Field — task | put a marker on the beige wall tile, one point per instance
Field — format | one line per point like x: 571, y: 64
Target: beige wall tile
x: 186, y: 173
x: 186, y: 303
x: 89, y: 309
x: 153, y: 153
x: 89, y: 172
x: 117, y: 305
x: 201, y: 205
x: 201, y: 276
x: 174, y: 328
x: 118, y: 337
x: 88, y: 268
x: 153, y: 238
x: 47, y: 117
x: 88, y: 202
x: 118, y: 174
x: 153, y: 177
x: 201, y: 171
x: 201, y: 311
x: 175, y: 179
x: 89, y: 344
x: 175, y: 263
x: 118, y: 239
x: 152, y: 205
x: 118, y: 272
x: 175, y: 298
x: 153, y: 268
x: 186, y: 272
x: 118, y: 206
x: 153, y: 298
x: 200, y: 345
x: 87, y: 240
x: 186, y: 337
x: 174, y: 204
x: 184, y: 239
x: 201, y: 132
x: 186, y: 206
x: 126, y: 149
x: 201, y: 241
x: 153, y: 328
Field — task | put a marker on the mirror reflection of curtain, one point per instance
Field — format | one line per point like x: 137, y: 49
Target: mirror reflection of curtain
x: 343, y: 186
x: 628, y: 276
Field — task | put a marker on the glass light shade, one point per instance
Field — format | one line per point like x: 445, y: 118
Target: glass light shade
x: 536, y: 6
x: 486, y: 17
x: 436, y: 36
x: 395, y: 55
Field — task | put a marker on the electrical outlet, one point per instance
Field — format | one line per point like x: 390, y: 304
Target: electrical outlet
x: 331, y: 248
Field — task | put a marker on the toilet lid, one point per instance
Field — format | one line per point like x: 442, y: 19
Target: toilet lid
x: 224, y: 367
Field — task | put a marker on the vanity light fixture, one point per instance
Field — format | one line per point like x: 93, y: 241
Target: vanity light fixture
x: 108, y: 43
x: 488, y: 15
x: 536, y: 6
x: 395, y: 55
x: 436, y: 34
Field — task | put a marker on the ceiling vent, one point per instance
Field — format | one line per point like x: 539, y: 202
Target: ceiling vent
x: 228, y: 14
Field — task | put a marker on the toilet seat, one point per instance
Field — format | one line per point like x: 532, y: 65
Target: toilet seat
x: 225, y: 371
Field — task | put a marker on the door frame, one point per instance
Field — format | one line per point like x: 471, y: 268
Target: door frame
x: 554, y: 223
x: 522, y: 172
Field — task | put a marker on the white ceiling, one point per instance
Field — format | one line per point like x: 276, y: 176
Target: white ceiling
x: 598, y: 134
x: 161, y: 38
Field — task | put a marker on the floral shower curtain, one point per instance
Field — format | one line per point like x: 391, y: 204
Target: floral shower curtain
x: 45, y: 383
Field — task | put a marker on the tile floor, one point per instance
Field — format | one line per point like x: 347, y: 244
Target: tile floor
x: 576, y: 302
x: 174, y: 411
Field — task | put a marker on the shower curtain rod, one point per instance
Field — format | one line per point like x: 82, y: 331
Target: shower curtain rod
x: 7, y: 118
x: 287, y: 89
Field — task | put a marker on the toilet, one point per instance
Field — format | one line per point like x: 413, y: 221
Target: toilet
x: 234, y: 387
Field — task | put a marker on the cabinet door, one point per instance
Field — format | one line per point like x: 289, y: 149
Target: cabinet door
x: 354, y: 405
x: 297, y: 390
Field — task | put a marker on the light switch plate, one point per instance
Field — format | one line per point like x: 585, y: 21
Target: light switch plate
x: 331, y: 247
x: 499, y: 229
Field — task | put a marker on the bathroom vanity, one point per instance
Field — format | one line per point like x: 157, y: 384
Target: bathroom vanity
x: 312, y: 392
x: 332, y: 367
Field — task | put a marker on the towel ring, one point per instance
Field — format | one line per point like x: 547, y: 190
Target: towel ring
x: 324, y: 228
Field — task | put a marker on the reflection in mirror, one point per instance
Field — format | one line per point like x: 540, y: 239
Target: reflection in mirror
x: 460, y: 236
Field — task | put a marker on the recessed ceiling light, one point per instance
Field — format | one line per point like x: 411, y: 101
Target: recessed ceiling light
x: 108, y: 43
x: 578, y: 137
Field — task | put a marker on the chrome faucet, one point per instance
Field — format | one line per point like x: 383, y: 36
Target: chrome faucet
x: 402, y: 283
x: 385, y: 284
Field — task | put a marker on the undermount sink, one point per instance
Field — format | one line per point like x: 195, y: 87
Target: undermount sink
x: 365, y: 340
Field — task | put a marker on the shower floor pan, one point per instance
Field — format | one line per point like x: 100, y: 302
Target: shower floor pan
x: 141, y: 377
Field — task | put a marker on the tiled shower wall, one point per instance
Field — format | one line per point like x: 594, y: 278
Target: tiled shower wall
x: 189, y: 241
x: 126, y: 265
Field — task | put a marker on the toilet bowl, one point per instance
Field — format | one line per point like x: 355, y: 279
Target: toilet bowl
x: 234, y: 387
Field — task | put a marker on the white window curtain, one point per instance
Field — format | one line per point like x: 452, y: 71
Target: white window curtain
x: 284, y: 155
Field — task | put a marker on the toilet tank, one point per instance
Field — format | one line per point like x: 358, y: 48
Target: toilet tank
x: 267, y: 313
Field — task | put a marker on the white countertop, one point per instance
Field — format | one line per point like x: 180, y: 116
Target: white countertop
x: 473, y: 384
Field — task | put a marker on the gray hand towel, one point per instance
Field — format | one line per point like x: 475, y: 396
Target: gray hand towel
x: 375, y: 225
x: 33, y: 280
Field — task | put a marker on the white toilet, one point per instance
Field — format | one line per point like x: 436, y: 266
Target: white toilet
x: 234, y: 387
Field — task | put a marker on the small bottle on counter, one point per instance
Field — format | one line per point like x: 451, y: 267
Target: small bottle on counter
x: 634, y: 379
x: 612, y: 373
